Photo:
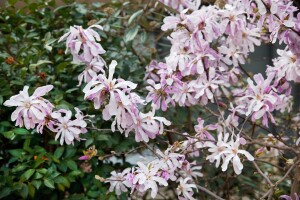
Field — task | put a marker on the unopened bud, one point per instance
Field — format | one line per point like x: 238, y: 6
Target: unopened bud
x: 99, y: 178
x: 289, y: 161
x: 109, y: 10
x: 10, y: 60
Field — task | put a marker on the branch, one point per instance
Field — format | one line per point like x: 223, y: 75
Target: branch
x: 209, y: 192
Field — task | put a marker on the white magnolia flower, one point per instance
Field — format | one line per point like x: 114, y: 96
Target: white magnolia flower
x: 185, y: 189
x: 147, y: 176
x: 117, y: 181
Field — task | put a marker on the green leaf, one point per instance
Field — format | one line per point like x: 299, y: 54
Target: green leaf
x: 17, y: 152
x: 21, y: 131
x: 28, y: 173
x: 37, y: 183
x: 131, y: 33
x: 72, y: 164
x: 37, y: 175
x: 49, y: 183
x: 58, y: 152
x: 63, y: 180
x: 40, y: 62
x: 88, y: 142
x: 12, y: 2
x: 102, y: 138
x: 24, y: 191
x: 72, y: 90
x: 42, y: 171
x: 31, y: 190
x: 1, y: 99
x: 9, y: 135
x: 4, y: 192
x: 134, y: 16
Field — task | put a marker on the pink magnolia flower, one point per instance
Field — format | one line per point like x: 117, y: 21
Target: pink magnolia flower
x: 159, y: 94
x: 217, y: 149
x: 202, y: 131
x: 124, y: 114
x: 169, y: 161
x: 147, y: 126
x: 100, y: 87
x: 30, y: 110
x: 287, y: 197
x: 287, y: 66
x: 85, y: 40
x: 232, y: 55
x: 183, y: 94
x: 206, y: 85
x: 260, y: 99
x: 191, y: 170
x: 91, y: 70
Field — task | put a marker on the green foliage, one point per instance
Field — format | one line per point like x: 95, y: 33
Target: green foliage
x: 35, y: 165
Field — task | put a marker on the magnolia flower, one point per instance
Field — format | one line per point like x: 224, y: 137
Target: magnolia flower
x: 30, y: 109
x: 217, y: 149
x: 286, y: 66
x: 287, y: 197
x: 183, y: 94
x: 181, y: 4
x: 202, y: 131
x: 79, y: 39
x: 67, y: 129
x: 191, y: 170
x: 147, y: 176
x: 159, y: 94
x: 117, y: 181
x: 185, y: 189
x: 232, y: 154
x: 228, y: 151
x: 232, y: 55
x: 147, y: 126
x: 206, y: 85
x: 260, y: 99
x: 169, y: 161
x: 100, y: 87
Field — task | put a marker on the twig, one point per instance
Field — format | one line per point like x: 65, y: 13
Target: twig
x: 209, y: 192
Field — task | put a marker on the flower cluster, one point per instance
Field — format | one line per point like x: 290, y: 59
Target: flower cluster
x: 119, y: 102
x: 167, y: 167
x: 226, y: 150
x: 85, y: 49
x: 35, y: 111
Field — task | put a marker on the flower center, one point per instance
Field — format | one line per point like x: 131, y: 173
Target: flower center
x: 65, y: 126
x: 27, y: 104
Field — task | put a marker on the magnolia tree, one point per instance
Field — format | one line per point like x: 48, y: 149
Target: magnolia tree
x: 232, y: 123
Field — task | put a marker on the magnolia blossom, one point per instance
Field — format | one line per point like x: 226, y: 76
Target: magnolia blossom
x: 82, y: 43
x: 286, y: 66
x: 147, y: 126
x: 260, y: 99
x: 30, y: 110
x: 181, y: 4
x: 100, y: 87
x: 68, y: 129
x: 227, y: 151
x: 232, y: 154
x: 159, y: 94
x: 185, y: 189
x: 117, y: 181
x: 147, y: 176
